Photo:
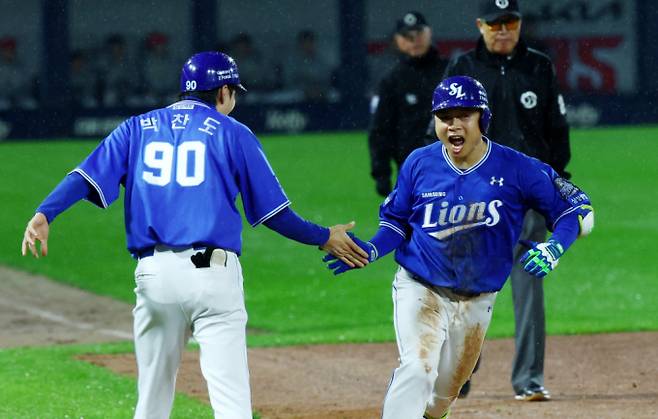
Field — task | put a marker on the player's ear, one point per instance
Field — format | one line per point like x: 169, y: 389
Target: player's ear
x: 220, y: 95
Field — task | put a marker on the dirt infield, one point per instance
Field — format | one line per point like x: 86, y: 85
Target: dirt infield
x: 37, y: 311
x: 598, y: 376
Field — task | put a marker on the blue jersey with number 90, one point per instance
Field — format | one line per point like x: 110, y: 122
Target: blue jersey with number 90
x: 183, y: 167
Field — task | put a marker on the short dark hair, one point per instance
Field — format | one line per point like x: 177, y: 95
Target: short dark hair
x: 208, y: 96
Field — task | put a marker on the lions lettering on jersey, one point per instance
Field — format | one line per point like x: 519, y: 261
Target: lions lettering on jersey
x: 460, y: 217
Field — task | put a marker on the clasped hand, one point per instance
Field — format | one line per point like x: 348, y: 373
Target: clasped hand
x: 342, y: 247
x: 338, y: 266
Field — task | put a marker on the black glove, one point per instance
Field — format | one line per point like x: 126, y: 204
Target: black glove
x: 383, y: 187
x: 202, y: 260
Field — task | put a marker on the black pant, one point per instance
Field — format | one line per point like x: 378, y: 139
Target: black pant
x: 530, y: 325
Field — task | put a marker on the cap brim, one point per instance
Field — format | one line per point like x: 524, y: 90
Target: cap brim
x: 405, y: 30
x: 492, y: 17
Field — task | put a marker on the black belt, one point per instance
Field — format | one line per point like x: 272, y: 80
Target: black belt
x: 456, y: 291
x: 149, y: 251
x: 465, y: 293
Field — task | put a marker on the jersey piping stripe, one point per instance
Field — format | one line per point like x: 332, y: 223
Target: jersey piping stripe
x: 470, y: 169
x: 93, y: 183
x: 393, y: 227
x: 567, y: 212
x: 271, y: 213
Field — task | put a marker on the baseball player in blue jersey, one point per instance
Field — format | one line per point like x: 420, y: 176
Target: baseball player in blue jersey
x: 453, y: 219
x: 182, y: 168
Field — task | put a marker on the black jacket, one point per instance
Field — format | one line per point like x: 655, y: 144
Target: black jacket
x: 528, y: 111
x: 404, y: 103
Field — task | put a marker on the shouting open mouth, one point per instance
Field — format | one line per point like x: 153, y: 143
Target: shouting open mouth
x: 456, y: 143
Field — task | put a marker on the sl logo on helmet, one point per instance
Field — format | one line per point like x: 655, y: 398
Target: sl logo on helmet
x: 529, y: 100
x: 456, y: 90
x: 502, y: 4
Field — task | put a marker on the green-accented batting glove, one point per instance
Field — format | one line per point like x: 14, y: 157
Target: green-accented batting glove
x: 542, y: 258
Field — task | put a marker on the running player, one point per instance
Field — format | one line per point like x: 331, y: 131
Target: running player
x: 454, y: 218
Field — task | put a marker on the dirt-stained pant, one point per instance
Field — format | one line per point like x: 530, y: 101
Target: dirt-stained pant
x: 175, y: 300
x: 439, y: 336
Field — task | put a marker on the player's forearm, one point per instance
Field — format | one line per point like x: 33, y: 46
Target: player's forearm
x: 290, y: 225
x: 70, y: 190
x: 566, y: 230
x: 385, y: 241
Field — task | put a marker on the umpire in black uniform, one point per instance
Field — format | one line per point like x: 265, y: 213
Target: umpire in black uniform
x: 529, y: 116
x: 403, y: 102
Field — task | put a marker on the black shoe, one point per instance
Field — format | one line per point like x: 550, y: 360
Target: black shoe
x: 463, y: 392
x: 538, y: 394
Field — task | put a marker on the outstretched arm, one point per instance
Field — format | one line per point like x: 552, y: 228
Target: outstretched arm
x: 382, y: 243
x: 69, y: 191
x: 333, y: 239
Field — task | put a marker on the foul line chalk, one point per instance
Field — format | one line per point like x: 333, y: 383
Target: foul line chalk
x: 54, y: 317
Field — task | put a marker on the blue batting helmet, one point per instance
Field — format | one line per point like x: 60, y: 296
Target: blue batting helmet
x: 462, y: 92
x: 209, y: 70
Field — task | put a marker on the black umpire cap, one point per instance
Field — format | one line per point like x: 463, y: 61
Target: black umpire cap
x: 411, y: 21
x: 493, y: 10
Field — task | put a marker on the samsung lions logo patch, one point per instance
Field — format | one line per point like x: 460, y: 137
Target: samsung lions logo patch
x: 456, y: 91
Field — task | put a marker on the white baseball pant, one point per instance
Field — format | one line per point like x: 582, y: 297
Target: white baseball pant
x: 175, y: 300
x: 439, y: 336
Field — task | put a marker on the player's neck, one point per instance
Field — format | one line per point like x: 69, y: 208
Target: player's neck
x: 472, y: 158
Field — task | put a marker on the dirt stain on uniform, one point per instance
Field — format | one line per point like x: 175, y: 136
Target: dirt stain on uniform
x: 428, y: 316
x: 472, y: 345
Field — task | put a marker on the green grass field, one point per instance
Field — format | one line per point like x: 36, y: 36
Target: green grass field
x: 605, y: 283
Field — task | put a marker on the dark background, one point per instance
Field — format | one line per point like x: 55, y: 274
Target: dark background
x: 604, y: 51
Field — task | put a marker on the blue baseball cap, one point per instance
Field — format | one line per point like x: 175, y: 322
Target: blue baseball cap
x: 209, y: 70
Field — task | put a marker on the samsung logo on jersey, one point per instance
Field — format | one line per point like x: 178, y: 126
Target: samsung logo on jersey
x: 433, y: 194
x: 460, y: 217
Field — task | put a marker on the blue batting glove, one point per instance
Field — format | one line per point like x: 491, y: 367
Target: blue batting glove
x: 339, y: 267
x: 542, y: 258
